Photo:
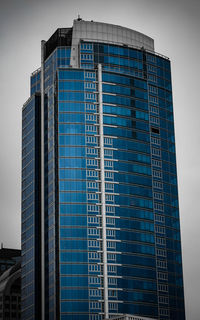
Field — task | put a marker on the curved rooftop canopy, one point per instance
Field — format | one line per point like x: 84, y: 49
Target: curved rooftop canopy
x: 108, y: 33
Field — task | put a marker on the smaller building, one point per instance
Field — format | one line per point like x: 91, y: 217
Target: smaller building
x: 10, y: 293
x: 8, y: 258
x: 130, y: 317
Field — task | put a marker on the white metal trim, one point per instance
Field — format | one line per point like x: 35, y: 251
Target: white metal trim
x: 103, y: 202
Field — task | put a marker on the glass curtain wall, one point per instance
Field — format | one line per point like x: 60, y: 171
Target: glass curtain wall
x: 143, y: 264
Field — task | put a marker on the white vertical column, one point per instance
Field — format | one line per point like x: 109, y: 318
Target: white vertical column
x: 42, y: 188
x: 103, y: 202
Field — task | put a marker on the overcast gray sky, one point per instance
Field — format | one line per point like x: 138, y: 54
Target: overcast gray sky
x: 175, y: 27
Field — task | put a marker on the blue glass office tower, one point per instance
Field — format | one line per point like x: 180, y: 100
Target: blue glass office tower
x: 100, y: 219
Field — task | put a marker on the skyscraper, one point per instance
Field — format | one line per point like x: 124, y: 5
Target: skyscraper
x: 100, y: 219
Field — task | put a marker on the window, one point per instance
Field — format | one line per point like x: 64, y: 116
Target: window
x: 93, y: 219
x: 93, y: 255
x: 109, y: 186
x: 91, y: 151
x: 110, y: 209
x: 161, y: 252
x: 161, y: 241
x: 108, y: 163
x: 86, y: 65
x: 160, y: 229
x: 92, y: 196
x: 155, y: 130
x: 90, y: 117
x: 90, y: 85
x: 108, y: 141
x: 90, y: 96
x: 155, y: 120
x: 154, y: 109
x: 109, y: 197
x: 156, y: 152
x: 108, y: 152
x: 91, y: 128
x: 153, y: 99
x: 93, y: 208
x: 157, y: 173
x: 162, y: 287
x: 110, y: 233
x: 92, y: 173
x: 161, y: 264
x: 94, y: 293
x: 151, y: 58
x: 109, y: 174
x: 88, y: 57
x: 95, y: 317
x: 112, y: 293
x: 159, y: 218
x: 95, y: 305
x: 113, y: 306
x: 92, y: 185
x: 111, y: 244
x: 86, y: 46
x: 93, y: 231
x: 158, y: 206
x: 112, y: 268
x: 163, y: 312
x: 112, y: 256
x: 110, y: 221
x: 162, y: 276
x: 152, y: 78
x: 151, y: 68
x: 156, y: 163
x: 91, y: 139
x: 112, y: 281
x: 94, y: 267
x: 153, y: 89
x: 163, y: 299
x: 93, y: 243
x: 158, y: 184
x: 158, y: 195
x: 155, y: 140
x: 92, y: 162
x: 90, y: 75
x: 90, y: 107
x: 94, y: 280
